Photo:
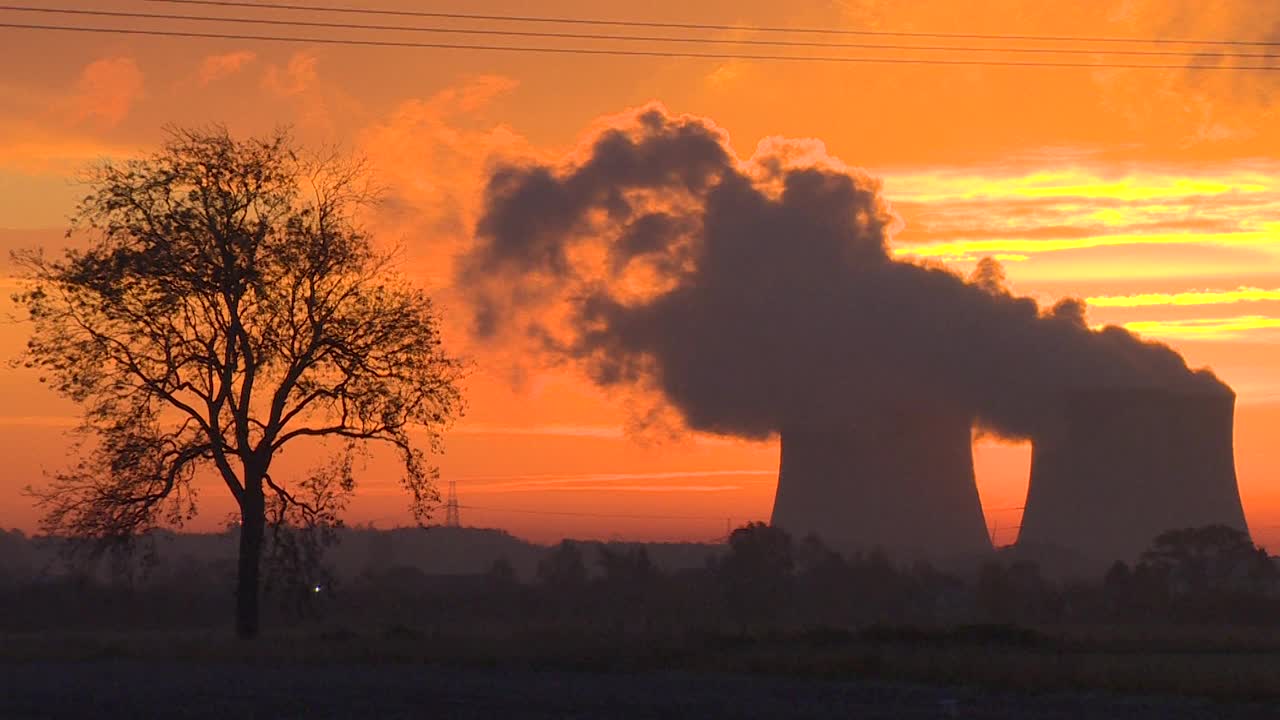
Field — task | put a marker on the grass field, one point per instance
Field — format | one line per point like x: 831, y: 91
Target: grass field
x: 1237, y: 665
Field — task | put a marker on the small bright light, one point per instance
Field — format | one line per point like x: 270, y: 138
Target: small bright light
x: 316, y: 589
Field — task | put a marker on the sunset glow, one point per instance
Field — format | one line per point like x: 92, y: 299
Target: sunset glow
x: 1151, y: 194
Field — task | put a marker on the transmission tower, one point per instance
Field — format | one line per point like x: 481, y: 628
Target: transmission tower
x: 451, y: 518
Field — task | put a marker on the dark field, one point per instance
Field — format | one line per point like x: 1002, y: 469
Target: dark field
x: 402, y: 674
x: 140, y: 689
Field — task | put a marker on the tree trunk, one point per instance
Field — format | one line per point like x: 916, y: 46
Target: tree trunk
x: 252, y: 527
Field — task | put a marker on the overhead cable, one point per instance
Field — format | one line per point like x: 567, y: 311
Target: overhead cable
x: 639, y: 38
x: 295, y: 7
x: 623, y: 52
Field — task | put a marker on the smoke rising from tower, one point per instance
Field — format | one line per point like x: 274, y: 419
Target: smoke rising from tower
x: 758, y: 297
x: 757, y: 294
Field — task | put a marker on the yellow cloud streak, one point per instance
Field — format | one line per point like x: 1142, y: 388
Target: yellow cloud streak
x: 1204, y: 328
x: 967, y: 248
x: 1193, y: 297
x: 1135, y: 189
x: 1082, y: 185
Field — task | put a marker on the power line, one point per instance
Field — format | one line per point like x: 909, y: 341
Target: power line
x: 641, y: 38
x: 623, y: 52
x: 712, y: 26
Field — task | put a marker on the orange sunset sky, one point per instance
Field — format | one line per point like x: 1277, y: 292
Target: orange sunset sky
x: 1153, y: 193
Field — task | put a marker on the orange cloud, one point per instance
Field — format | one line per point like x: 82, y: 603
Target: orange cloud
x: 294, y: 78
x: 627, y: 481
x: 48, y: 421
x: 40, y: 150
x: 107, y: 90
x: 726, y: 75
x: 472, y: 95
x: 430, y: 154
x: 595, y: 431
x: 217, y: 67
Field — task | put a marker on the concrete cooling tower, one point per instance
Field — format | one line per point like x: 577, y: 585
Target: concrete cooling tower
x: 901, y: 482
x: 1119, y: 467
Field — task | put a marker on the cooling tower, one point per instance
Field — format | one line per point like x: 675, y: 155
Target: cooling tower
x: 903, y: 482
x: 1118, y: 467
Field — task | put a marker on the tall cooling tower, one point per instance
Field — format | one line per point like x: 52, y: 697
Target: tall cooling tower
x: 903, y: 482
x: 1120, y: 467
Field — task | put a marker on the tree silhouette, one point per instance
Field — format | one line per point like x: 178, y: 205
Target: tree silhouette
x: 1213, y: 557
x: 628, y: 585
x: 563, y: 568
x: 825, y: 584
x: 1210, y: 573
x: 228, y: 305
x: 562, y: 579
x: 757, y: 573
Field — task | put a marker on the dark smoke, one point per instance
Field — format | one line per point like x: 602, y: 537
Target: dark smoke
x: 760, y: 295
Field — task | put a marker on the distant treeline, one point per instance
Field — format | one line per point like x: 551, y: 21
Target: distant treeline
x: 486, y: 581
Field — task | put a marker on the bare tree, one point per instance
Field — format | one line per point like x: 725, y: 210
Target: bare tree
x: 229, y: 305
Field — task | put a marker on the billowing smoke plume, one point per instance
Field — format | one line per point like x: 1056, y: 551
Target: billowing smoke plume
x: 760, y: 295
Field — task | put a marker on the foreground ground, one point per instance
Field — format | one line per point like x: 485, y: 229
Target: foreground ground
x: 994, y: 672
x: 151, y: 689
